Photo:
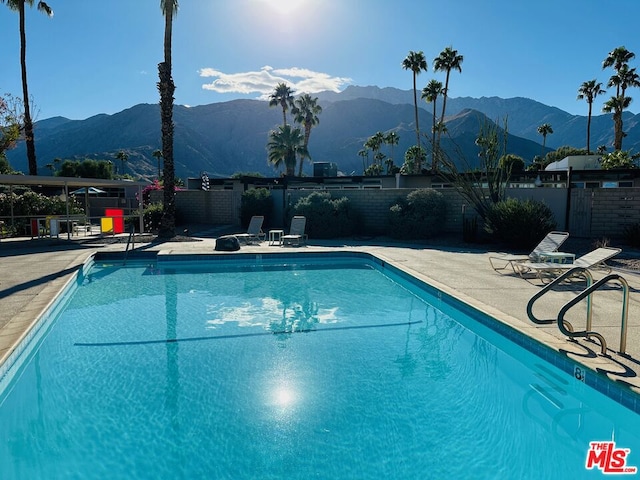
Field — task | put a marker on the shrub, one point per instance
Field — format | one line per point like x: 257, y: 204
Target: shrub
x: 421, y: 214
x: 631, y: 235
x: 519, y: 223
x: 31, y: 204
x: 326, y: 217
x: 152, y: 215
x: 256, y: 201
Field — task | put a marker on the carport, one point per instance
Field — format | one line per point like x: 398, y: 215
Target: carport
x: 74, y: 183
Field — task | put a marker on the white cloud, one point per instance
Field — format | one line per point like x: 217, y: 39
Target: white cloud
x: 263, y: 82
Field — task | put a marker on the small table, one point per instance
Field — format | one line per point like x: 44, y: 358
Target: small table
x: 275, y: 237
x: 557, y: 257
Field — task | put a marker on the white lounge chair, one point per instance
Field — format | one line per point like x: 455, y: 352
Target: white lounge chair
x: 254, y: 231
x: 296, y: 233
x: 594, y: 259
x: 550, y: 243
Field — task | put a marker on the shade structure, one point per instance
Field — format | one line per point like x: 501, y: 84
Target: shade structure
x: 89, y: 190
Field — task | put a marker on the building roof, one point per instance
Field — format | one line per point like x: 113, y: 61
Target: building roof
x: 74, y: 182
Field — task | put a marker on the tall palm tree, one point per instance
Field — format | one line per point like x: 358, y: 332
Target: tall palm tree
x: 282, y: 96
x: 588, y: 91
x: 448, y: 60
x: 430, y: 94
x: 616, y: 58
x: 284, y: 145
x: 364, y: 153
x: 392, y: 139
x: 616, y: 105
x: 544, y: 130
x: 123, y: 157
x: 415, y: 62
x: 28, y: 121
x: 167, y: 88
x: 374, y: 143
x: 623, y: 77
x: 306, y: 110
x: 157, y: 153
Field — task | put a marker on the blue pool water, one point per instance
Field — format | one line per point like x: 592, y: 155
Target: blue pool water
x: 331, y: 370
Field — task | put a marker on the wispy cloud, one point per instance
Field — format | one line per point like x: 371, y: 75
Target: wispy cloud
x: 263, y: 82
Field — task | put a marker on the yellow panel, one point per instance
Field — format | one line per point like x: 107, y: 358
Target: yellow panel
x: 106, y: 224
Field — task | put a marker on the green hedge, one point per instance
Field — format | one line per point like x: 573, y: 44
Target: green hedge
x: 519, y: 223
x: 256, y: 201
x: 422, y: 214
x: 327, y: 217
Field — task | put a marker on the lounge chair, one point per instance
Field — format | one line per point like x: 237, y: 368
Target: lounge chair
x: 594, y: 259
x: 254, y: 231
x: 296, y: 233
x: 550, y: 243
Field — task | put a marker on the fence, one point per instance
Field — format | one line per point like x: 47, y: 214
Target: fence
x: 588, y: 213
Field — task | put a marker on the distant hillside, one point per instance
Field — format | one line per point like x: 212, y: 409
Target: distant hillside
x: 223, y: 138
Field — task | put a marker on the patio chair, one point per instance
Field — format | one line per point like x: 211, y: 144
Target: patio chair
x: 550, y: 243
x: 254, y: 231
x: 595, y: 259
x: 296, y: 233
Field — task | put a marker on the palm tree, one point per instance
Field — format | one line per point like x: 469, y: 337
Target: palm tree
x: 588, y: 91
x: 28, y: 122
x: 392, y: 139
x: 415, y: 62
x: 445, y: 62
x: 285, y: 144
x: 166, y: 87
x: 123, y: 157
x: 430, y: 94
x: 544, y: 130
x: 364, y: 153
x: 158, y: 155
x: 622, y: 78
x: 306, y: 111
x: 617, y: 58
x: 616, y: 105
x: 283, y: 96
x: 374, y: 143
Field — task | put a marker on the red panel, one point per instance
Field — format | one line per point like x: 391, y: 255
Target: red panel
x: 118, y: 218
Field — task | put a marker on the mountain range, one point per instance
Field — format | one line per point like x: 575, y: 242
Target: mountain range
x: 223, y: 138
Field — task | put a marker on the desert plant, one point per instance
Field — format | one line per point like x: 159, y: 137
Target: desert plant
x: 421, y: 214
x: 519, y: 223
x: 256, y: 201
x: 326, y: 217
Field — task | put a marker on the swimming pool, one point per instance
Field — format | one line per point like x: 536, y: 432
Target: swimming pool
x: 288, y: 367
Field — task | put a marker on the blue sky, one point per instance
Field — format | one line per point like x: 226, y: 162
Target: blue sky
x: 101, y: 56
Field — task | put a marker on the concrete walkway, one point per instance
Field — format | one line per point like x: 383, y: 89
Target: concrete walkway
x: 34, y: 271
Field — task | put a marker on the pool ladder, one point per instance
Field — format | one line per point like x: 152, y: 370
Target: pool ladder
x: 131, y: 240
x: 565, y: 327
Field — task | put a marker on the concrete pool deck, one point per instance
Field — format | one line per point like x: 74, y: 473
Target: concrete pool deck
x: 35, y: 271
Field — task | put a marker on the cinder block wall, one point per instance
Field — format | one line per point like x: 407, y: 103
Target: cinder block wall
x: 612, y: 209
x: 608, y: 210
x: 216, y: 207
x: 373, y: 205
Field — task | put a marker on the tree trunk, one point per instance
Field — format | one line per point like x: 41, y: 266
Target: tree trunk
x: 28, y: 122
x: 166, y: 87
x: 415, y: 107
x: 589, y: 130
